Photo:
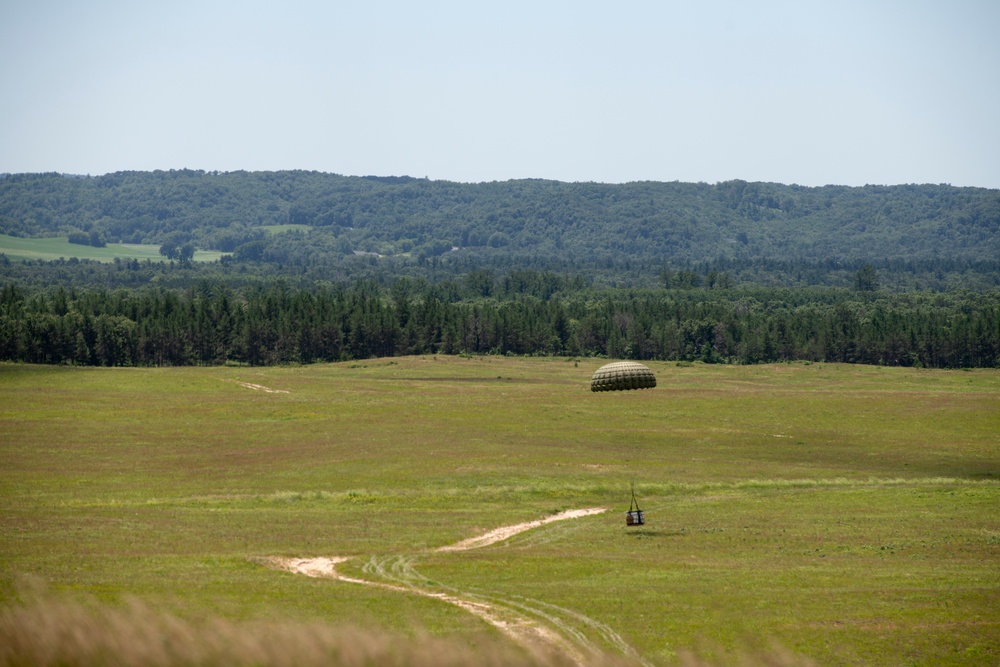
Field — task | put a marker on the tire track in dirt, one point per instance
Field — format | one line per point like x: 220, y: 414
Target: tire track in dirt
x: 400, y: 569
x: 531, y: 623
x: 519, y: 627
x: 602, y: 629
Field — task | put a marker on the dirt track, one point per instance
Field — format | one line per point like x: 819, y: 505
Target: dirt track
x: 260, y: 387
x: 502, y: 533
x: 520, y: 628
x: 533, y: 624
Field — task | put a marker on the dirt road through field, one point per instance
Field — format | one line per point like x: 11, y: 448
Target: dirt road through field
x: 260, y: 387
x: 535, y: 625
x: 526, y: 631
x: 504, y: 532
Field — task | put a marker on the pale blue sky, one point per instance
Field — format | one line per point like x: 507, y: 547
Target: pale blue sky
x: 843, y: 91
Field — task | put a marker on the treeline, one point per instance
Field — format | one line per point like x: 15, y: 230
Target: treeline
x: 525, y: 313
x: 934, y: 275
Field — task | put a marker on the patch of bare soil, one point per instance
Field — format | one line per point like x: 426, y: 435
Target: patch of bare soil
x: 260, y: 387
x: 504, y: 532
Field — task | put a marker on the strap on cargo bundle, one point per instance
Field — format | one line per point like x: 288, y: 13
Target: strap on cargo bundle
x: 634, y: 505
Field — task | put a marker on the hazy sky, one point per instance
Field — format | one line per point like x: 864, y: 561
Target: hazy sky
x: 838, y: 91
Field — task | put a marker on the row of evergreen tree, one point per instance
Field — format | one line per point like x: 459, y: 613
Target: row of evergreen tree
x: 274, y: 323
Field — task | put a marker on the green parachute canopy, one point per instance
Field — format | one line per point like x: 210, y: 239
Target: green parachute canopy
x: 622, y: 375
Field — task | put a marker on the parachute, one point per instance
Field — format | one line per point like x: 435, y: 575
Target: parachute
x: 622, y: 375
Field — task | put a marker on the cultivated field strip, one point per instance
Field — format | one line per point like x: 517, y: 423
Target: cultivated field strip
x: 531, y: 623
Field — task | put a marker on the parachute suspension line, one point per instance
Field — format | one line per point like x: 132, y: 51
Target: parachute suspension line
x: 622, y: 376
x: 634, y: 516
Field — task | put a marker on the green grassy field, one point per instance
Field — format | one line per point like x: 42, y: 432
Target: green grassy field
x: 60, y: 247
x: 281, y: 229
x: 850, y: 514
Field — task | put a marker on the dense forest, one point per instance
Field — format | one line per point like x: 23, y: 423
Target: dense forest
x: 326, y: 267
x: 526, y: 312
x: 583, y: 224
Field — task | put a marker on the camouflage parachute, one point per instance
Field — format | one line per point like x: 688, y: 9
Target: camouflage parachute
x: 622, y: 375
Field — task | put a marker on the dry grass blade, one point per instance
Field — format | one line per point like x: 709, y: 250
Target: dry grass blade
x: 70, y: 634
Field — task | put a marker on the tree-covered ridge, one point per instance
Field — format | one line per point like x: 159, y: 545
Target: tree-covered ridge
x: 547, y: 220
x: 327, y: 267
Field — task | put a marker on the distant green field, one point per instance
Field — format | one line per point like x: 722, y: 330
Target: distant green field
x: 279, y: 229
x: 60, y: 247
x: 850, y: 514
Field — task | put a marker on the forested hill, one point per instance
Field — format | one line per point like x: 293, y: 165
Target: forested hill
x: 574, y: 222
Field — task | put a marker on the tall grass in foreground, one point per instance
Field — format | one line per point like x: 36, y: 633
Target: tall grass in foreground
x: 68, y: 634
x: 57, y: 633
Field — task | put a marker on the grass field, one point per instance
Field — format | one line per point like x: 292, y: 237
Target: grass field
x: 849, y: 514
x: 281, y: 229
x: 60, y: 247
